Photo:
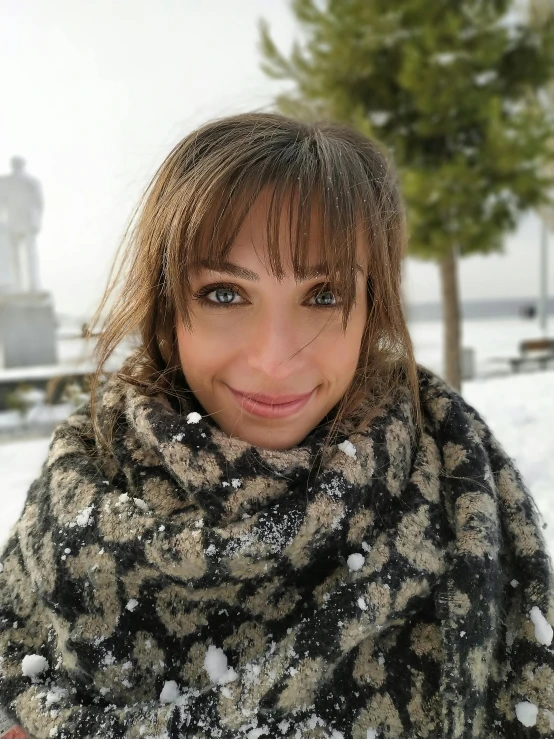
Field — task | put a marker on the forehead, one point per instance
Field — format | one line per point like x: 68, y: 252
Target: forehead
x: 256, y: 240
x: 270, y: 239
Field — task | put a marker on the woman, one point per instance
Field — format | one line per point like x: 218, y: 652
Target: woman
x: 272, y: 522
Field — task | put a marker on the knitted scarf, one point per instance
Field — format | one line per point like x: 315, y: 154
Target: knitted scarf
x: 187, y: 584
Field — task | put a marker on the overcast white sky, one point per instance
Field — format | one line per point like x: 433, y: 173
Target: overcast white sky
x: 95, y: 94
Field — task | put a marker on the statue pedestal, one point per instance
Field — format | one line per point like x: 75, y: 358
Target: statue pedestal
x: 27, y: 330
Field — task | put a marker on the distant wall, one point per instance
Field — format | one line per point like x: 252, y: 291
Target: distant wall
x: 476, y: 309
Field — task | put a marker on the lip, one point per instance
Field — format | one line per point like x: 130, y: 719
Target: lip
x: 268, y: 406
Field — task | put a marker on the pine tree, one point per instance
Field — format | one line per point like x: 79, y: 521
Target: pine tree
x: 450, y: 87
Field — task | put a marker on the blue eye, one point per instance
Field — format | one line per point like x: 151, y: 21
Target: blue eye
x: 219, y: 296
x: 216, y: 296
x: 223, y: 295
x: 325, y: 298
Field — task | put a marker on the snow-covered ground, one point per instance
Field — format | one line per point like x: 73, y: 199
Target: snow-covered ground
x: 493, y: 341
x: 20, y: 463
x: 518, y: 408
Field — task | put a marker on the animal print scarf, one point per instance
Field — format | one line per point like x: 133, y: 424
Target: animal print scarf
x: 185, y: 584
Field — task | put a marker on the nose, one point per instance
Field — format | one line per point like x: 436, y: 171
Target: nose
x: 275, y: 346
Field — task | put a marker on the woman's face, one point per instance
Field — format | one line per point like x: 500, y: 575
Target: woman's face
x: 268, y: 359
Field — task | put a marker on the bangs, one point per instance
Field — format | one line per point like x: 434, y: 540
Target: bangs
x: 320, y: 194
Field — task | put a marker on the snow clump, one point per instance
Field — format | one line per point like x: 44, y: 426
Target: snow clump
x: 215, y: 664
x: 348, y: 448
x: 371, y: 734
x: 83, y: 518
x: 33, y: 664
x: 55, y: 695
x: 527, y: 713
x: 170, y: 692
x: 194, y: 417
x: 131, y: 604
x: 543, y: 630
x: 355, y: 562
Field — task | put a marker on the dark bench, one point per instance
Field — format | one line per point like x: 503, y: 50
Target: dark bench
x: 537, y: 351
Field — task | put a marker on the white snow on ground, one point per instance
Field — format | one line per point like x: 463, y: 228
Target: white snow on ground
x: 518, y: 408
x: 20, y: 463
x: 494, y: 341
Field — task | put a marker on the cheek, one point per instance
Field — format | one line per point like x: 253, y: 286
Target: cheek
x: 338, y: 352
x: 203, y: 353
x: 193, y: 358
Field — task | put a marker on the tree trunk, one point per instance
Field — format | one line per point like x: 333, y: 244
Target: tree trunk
x: 452, y: 320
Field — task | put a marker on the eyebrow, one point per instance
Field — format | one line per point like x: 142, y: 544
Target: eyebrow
x: 316, y: 270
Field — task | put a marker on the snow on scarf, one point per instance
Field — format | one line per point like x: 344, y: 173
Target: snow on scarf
x: 191, y: 585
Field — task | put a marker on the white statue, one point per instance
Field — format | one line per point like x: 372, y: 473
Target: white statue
x: 21, y: 208
x: 7, y: 271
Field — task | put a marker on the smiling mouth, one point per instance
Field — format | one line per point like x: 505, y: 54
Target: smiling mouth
x: 266, y: 406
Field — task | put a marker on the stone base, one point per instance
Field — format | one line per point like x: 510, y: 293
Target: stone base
x: 27, y: 330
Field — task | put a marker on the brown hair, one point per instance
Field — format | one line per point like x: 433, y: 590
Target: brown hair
x: 194, y: 207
